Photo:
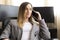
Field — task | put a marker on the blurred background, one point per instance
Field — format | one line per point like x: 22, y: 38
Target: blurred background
x: 49, y: 9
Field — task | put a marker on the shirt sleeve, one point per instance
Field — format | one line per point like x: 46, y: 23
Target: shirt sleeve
x: 6, y: 32
x: 44, y: 31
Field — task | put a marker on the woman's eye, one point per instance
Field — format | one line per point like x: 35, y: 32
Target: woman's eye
x: 30, y: 9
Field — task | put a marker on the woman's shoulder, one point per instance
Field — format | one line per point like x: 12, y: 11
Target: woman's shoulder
x: 13, y: 22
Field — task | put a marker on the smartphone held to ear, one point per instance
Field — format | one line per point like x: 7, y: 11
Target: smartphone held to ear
x: 35, y: 15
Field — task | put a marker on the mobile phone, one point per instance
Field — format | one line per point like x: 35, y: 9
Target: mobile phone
x: 35, y: 15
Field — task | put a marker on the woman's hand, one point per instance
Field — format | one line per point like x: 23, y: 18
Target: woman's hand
x: 39, y: 15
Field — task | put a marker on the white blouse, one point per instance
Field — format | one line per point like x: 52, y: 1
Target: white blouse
x: 26, y: 30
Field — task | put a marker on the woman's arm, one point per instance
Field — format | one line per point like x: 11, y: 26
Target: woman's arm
x: 44, y: 31
x: 5, y: 34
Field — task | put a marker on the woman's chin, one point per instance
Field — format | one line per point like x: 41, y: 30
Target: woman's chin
x: 28, y: 17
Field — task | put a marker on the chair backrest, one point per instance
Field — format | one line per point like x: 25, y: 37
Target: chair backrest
x: 4, y: 19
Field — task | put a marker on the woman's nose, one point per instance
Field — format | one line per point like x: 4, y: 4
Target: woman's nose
x: 28, y: 11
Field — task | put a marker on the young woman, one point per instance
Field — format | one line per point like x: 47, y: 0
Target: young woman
x: 25, y: 27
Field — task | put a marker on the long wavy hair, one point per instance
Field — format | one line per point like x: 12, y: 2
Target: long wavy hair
x: 21, y: 17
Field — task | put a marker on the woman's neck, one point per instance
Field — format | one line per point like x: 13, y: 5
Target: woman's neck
x: 26, y: 20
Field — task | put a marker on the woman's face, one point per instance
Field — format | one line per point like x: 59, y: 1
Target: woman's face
x: 28, y: 11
